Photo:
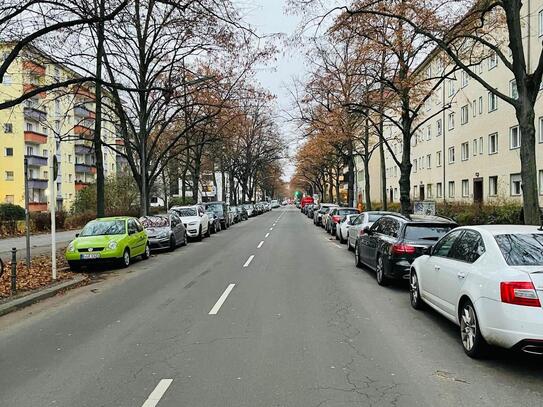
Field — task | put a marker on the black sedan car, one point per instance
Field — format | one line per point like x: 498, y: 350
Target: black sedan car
x: 221, y: 210
x: 164, y: 231
x: 393, y: 242
x: 214, y: 221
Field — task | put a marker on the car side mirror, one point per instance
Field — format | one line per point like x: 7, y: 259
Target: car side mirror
x: 367, y: 230
x: 77, y: 235
x: 427, y: 251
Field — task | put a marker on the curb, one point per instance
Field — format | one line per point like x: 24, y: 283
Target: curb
x: 33, y: 298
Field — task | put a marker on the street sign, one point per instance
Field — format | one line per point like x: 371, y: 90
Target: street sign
x: 55, y: 168
x: 424, y: 208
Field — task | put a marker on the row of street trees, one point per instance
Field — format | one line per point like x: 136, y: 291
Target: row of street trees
x: 173, y: 78
x: 381, y: 45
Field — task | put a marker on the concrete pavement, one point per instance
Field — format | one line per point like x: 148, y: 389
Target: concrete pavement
x: 242, y: 319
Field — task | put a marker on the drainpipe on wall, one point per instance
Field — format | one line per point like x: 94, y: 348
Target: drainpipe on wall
x: 443, y: 154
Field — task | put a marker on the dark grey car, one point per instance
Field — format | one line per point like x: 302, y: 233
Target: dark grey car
x: 164, y: 231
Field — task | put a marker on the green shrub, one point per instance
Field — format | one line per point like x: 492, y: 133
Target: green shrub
x: 41, y: 221
x: 77, y: 221
x: 10, y: 212
x: 179, y: 201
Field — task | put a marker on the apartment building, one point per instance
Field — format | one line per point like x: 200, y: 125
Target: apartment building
x: 57, y: 123
x: 470, y: 151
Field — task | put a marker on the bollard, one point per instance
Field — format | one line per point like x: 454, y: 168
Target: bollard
x: 13, y: 271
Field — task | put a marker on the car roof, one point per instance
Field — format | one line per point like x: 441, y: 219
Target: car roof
x: 346, y: 207
x: 214, y: 202
x: 506, y: 229
x: 413, y: 219
x: 115, y: 218
x: 185, y: 207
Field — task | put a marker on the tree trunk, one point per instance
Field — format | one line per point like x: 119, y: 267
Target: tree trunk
x: 528, y: 167
x: 350, y: 179
x: 367, y: 184
x: 330, y: 187
x: 384, y: 200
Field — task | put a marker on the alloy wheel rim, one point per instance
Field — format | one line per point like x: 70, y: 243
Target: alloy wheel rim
x: 379, y: 269
x: 414, y: 288
x: 126, y: 258
x: 468, y: 327
x: 147, y: 251
x: 356, y: 255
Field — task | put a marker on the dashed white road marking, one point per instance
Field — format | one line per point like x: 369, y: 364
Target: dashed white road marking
x: 157, y: 393
x: 267, y: 234
x: 271, y: 228
x: 221, y: 300
x: 338, y: 246
x: 260, y: 244
x: 249, y: 260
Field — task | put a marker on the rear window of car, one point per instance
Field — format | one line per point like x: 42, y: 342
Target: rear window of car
x: 524, y: 249
x: 346, y: 211
x: 154, y: 222
x: 426, y: 232
x: 217, y: 208
x: 373, y: 217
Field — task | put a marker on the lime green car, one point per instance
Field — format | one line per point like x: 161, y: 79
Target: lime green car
x: 108, y: 240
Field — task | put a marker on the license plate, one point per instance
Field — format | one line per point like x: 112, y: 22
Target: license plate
x: 87, y: 256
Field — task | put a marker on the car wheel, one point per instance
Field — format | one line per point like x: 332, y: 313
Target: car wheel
x: 147, y: 253
x: 74, y: 266
x: 173, y: 243
x: 200, y: 235
x: 473, y: 342
x: 208, y: 233
x: 185, y: 239
x: 126, y: 258
x: 357, y: 260
x: 414, y: 291
x: 382, y: 279
x: 341, y: 238
x: 349, y: 247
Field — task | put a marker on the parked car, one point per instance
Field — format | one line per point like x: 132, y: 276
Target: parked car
x: 322, y: 209
x: 275, y: 204
x: 233, y: 214
x: 489, y: 281
x: 195, y: 220
x: 164, y: 231
x: 342, y: 228
x: 326, y: 214
x: 214, y: 221
x: 306, y: 200
x: 220, y: 209
x: 335, y: 215
x: 243, y: 215
x: 393, y: 242
x: 309, y: 211
x: 250, y: 209
x: 358, y: 224
x: 108, y: 240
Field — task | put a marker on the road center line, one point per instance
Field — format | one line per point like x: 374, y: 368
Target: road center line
x: 260, y: 244
x: 271, y: 228
x: 157, y: 393
x: 267, y: 234
x: 221, y: 300
x: 249, y: 260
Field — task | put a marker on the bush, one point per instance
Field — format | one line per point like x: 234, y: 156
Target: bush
x: 10, y: 212
x: 77, y: 221
x: 471, y: 214
x: 179, y: 201
x: 41, y: 221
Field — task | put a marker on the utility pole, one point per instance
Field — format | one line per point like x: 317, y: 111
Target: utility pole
x: 27, y: 215
x: 53, y: 171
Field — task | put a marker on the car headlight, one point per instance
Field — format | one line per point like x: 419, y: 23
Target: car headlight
x: 162, y: 235
x: 112, y: 245
x: 193, y: 223
x: 71, y: 247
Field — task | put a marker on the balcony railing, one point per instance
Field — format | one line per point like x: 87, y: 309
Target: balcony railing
x: 85, y: 168
x: 36, y: 160
x: 82, y: 131
x: 79, y: 185
x: 35, y: 138
x: 81, y: 111
x: 83, y: 149
x: 37, y: 206
x: 37, y: 183
x: 35, y: 114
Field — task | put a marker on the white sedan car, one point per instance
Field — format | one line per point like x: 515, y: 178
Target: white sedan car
x: 358, y: 224
x: 195, y: 219
x: 489, y: 281
x: 342, y: 229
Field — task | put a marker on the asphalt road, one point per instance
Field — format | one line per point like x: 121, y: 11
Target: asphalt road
x: 298, y: 326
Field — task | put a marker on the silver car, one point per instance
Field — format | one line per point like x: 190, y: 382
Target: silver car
x: 359, y: 223
x: 164, y: 231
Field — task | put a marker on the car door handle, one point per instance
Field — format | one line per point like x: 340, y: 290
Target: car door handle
x: 437, y: 268
x: 461, y: 274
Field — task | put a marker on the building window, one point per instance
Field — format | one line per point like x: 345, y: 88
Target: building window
x: 514, y: 137
x: 439, y: 127
x: 464, y: 151
x: 429, y: 161
x: 475, y: 149
x: 9, y: 199
x: 480, y: 105
x: 8, y: 128
x: 513, y: 89
x: 464, y: 79
x: 69, y: 177
x: 451, y: 121
x: 474, y: 108
x: 9, y: 175
x: 492, y: 61
x: 464, y: 114
x: 438, y: 159
x: 493, y: 143
x: 451, y: 189
x: 465, y: 188
x: 540, y: 182
x: 29, y: 150
x: 429, y: 132
x: 29, y: 127
x: 415, y: 191
x: 395, y: 194
x: 541, y: 129
x: 45, y: 153
x: 452, y: 88
x: 439, y: 190
x: 8, y: 151
x: 451, y: 155
x: 492, y: 102
x: 415, y: 166
x: 493, y: 186
x: 516, y: 185
x: 540, y: 22
x: 481, y: 145
x: 429, y: 191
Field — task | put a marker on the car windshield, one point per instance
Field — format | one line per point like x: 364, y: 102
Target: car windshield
x: 344, y: 212
x: 155, y: 222
x: 521, y: 249
x: 217, y: 208
x: 104, y: 227
x: 426, y: 232
x: 372, y: 217
x: 186, y: 211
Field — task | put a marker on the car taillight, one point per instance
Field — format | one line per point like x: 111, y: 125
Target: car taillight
x: 519, y: 293
x: 402, y: 248
x: 336, y: 218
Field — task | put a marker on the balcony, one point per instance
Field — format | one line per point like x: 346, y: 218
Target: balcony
x: 85, y: 168
x: 36, y: 160
x: 35, y: 114
x: 33, y: 68
x: 83, y: 149
x: 38, y: 183
x: 37, y: 206
x: 35, y: 138
x: 82, y: 131
x: 79, y: 185
x: 28, y: 87
x: 82, y: 111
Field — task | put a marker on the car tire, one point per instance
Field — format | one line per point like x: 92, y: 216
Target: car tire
x: 357, y: 261
x: 173, y: 243
x: 414, y: 291
x: 200, y: 235
x: 382, y: 279
x: 147, y: 253
x: 341, y: 238
x: 75, y: 267
x: 185, y: 239
x: 472, y: 340
x: 208, y: 233
x: 125, y: 260
x: 349, y: 247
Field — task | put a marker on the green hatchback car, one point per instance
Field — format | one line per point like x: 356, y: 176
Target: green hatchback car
x: 108, y: 240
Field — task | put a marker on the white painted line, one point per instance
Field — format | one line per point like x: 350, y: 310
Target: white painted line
x: 267, y: 234
x: 249, y: 260
x: 338, y: 246
x: 260, y: 244
x: 157, y: 393
x: 271, y: 228
x: 274, y: 224
x: 221, y: 300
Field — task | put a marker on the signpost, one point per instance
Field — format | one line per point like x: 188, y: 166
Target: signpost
x: 27, y: 215
x: 53, y: 197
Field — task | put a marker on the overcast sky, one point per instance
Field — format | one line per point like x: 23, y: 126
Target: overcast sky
x: 269, y: 17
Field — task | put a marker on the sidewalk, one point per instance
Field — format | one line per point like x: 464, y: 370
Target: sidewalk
x: 39, y: 244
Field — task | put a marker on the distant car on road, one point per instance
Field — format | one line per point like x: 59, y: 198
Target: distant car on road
x: 358, y: 224
x: 164, y: 231
x: 221, y: 211
x: 489, y: 281
x: 306, y: 200
x: 108, y: 240
x: 393, y: 242
x: 319, y: 218
x: 214, y: 221
x: 275, y: 204
x: 335, y: 215
x: 342, y: 228
x: 195, y: 219
x: 250, y: 209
